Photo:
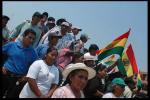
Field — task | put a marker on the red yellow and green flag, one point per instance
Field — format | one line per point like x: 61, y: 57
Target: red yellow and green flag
x: 115, y: 47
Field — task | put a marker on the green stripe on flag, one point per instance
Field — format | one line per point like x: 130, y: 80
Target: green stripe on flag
x: 115, y: 50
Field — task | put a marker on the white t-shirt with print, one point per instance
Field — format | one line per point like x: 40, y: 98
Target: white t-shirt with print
x: 44, y: 76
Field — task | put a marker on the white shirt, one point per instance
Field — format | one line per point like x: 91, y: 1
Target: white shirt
x: 127, y: 92
x: 109, y: 95
x: 65, y: 92
x: 44, y: 76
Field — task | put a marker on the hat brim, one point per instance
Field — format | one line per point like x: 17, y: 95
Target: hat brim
x: 91, y: 71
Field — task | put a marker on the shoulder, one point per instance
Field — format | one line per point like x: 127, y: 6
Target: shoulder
x: 54, y: 67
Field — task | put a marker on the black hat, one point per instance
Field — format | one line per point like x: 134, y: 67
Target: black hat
x: 6, y: 17
x: 38, y: 14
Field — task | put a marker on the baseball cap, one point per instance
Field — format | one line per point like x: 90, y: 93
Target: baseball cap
x: 75, y: 27
x: 54, y: 34
x: 118, y: 81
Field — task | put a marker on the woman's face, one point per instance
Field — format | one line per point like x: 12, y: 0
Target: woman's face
x: 51, y: 57
x: 79, y: 80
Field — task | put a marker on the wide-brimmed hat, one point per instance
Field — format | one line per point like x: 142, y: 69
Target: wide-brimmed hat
x: 72, y: 67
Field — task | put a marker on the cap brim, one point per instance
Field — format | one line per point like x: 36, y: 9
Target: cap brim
x: 91, y: 71
x: 80, y: 29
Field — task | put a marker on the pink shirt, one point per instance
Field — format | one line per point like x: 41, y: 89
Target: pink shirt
x: 62, y: 60
x: 65, y: 92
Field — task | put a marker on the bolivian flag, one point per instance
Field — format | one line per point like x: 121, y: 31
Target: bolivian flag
x: 127, y: 63
x: 115, y: 47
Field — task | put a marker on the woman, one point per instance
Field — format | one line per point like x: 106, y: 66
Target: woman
x: 118, y: 86
x: 76, y: 76
x: 19, y: 56
x: 42, y: 77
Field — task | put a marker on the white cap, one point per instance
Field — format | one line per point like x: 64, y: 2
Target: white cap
x: 65, y: 23
x: 71, y: 67
x: 88, y: 56
x: 75, y: 27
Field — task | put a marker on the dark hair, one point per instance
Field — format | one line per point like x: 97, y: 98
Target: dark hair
x: 45, y: 14
x: 93, y: 47
x: 27, y: 31
x: 100, y: 67
x: 50, y: 50
x: 73, y: 73
x: 51, y: 19
x: 59, y: 21
x: 76, y: 55
x: 38, y: 14
x: 6, y: 17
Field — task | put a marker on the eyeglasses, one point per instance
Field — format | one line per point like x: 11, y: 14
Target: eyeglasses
x: 83, y: 77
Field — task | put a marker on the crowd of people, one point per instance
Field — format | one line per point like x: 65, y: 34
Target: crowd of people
x: 42, y: 58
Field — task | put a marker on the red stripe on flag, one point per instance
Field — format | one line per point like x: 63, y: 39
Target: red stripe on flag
x: 125, y: 35
x: 131, y: 57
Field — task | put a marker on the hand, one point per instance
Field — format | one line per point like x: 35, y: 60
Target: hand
x: 4, y: 71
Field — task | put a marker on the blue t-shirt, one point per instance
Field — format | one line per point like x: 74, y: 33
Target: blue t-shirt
x: 18, y: 58
x: 41, y: 50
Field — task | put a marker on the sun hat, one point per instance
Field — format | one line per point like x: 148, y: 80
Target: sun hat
x: 118, y: 81
x: 72, y: 67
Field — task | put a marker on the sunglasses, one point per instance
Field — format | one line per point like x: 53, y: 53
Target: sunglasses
x: 83, y: 77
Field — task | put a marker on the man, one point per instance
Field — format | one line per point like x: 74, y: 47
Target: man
x: 89, y: 60
x: 42, y: 25
x: 6, y: 32
x: 50, y: 23
x: 118, y: 86
x: 17, y: 33
x: 53, y: 40
x: 44, y: 39
x: 79, y: 44
x: 75, y: 32
x: 95, y: 87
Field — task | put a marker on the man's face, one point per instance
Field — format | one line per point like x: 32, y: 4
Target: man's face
x: 65, y: 28
x: 75, y: 31
x: 36, y: 20
x: 4, y: 22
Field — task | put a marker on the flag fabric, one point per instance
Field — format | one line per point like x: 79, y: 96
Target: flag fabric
x: 127, y: 64
x: 121, y: 67
x: 115, y: 47
x: 110, y: 60
x: 139, y: 81
x: 132, y: 60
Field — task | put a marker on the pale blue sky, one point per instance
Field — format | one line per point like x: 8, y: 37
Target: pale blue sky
x: 102, y: 21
